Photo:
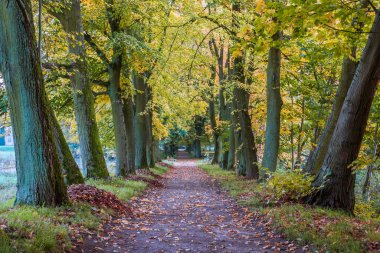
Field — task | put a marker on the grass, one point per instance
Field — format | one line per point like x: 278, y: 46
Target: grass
x: 50, y: 229
x: 327, y: 230
x: 43, y: 229
x: 159, y: 170
x: 123, y: 189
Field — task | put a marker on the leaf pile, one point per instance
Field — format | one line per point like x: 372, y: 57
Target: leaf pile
x: 149, y: 181
x: 97, y: 197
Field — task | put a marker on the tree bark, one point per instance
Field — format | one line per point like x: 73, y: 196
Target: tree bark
x: 39, y: 173
x: 149, y: 127
x: 232, y: 141
x: 300, y: 142
x: 335, y: 179
x: 121, y: 145
x: 241, y: 95
x: 140, y: 122
x: 274, y: 103
x: 215, y: 132
x: 315, y: 162
x: 198, y: 124
x: 70, y: 169
x: 212, y: 115
x: 94, y: 164
x: 130, y: 132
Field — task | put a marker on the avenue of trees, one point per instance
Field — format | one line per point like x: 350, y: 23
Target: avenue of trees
x: 270, y: 84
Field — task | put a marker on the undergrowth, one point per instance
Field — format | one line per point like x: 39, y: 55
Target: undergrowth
x: 327, y: 230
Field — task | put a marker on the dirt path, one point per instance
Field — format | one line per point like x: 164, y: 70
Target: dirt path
x: 189, y: 214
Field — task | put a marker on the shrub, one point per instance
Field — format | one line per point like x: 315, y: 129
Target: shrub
x: 289, y: 185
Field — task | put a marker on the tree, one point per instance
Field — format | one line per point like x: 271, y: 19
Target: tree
x: 94, y: 165
x: 274, y: 103
x: 141, y: 160
x: 335, y: 180
x: 241, y: 95
x: 39, y: 173
x: 129, y: 120
x: 212, y: 116
x: 114, y: 70
x: 198, y: 125
x: 349, y: 65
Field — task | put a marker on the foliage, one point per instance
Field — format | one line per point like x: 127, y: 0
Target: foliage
x: 289, y: 185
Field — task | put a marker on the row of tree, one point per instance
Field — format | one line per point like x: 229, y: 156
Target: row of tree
x: 43, y: 159
x: 138, y: 72
x: 338, y: 143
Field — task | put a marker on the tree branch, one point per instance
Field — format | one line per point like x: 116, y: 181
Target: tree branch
x: 198, y: 46
x: 97, y: 49
x: 216, y: 22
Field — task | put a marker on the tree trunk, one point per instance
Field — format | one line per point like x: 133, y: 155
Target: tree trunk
x: 215, y: 133
x: 157, y: 151
x: 130, y: 132
x: 121, y: 145
x: 315, y: 162
x: 335, y: 179
x: 241, y: 95
x: 140, y: 122
x: 231, y: 148
x: 70, y: 169
x: 198, y: 131
x: 94, y: 164
x: 233, y: 145
x: 212, y: 115
x: 149, y: 127
x: 274, y: 103
x: 300, y: 142
x: 39, y: 173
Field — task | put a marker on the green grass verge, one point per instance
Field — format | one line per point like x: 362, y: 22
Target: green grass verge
x: 49, y: 229
x: 123, y: 189
x: 159, y: 170
x: 327, y: 230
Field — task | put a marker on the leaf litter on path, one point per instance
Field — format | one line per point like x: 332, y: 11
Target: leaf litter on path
x: 189, y: 213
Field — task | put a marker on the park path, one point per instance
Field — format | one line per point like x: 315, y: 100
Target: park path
x: 190, y: 213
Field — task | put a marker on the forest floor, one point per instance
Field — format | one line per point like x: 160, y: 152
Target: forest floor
x: 190, y: 213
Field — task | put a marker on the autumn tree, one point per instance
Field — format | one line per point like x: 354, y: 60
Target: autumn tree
x: 39, y: 173
x: 335, y: 180
x: 69, y: 15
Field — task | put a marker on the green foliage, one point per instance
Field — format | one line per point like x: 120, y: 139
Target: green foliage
x: 289, y: 185
x: 366, y: 209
